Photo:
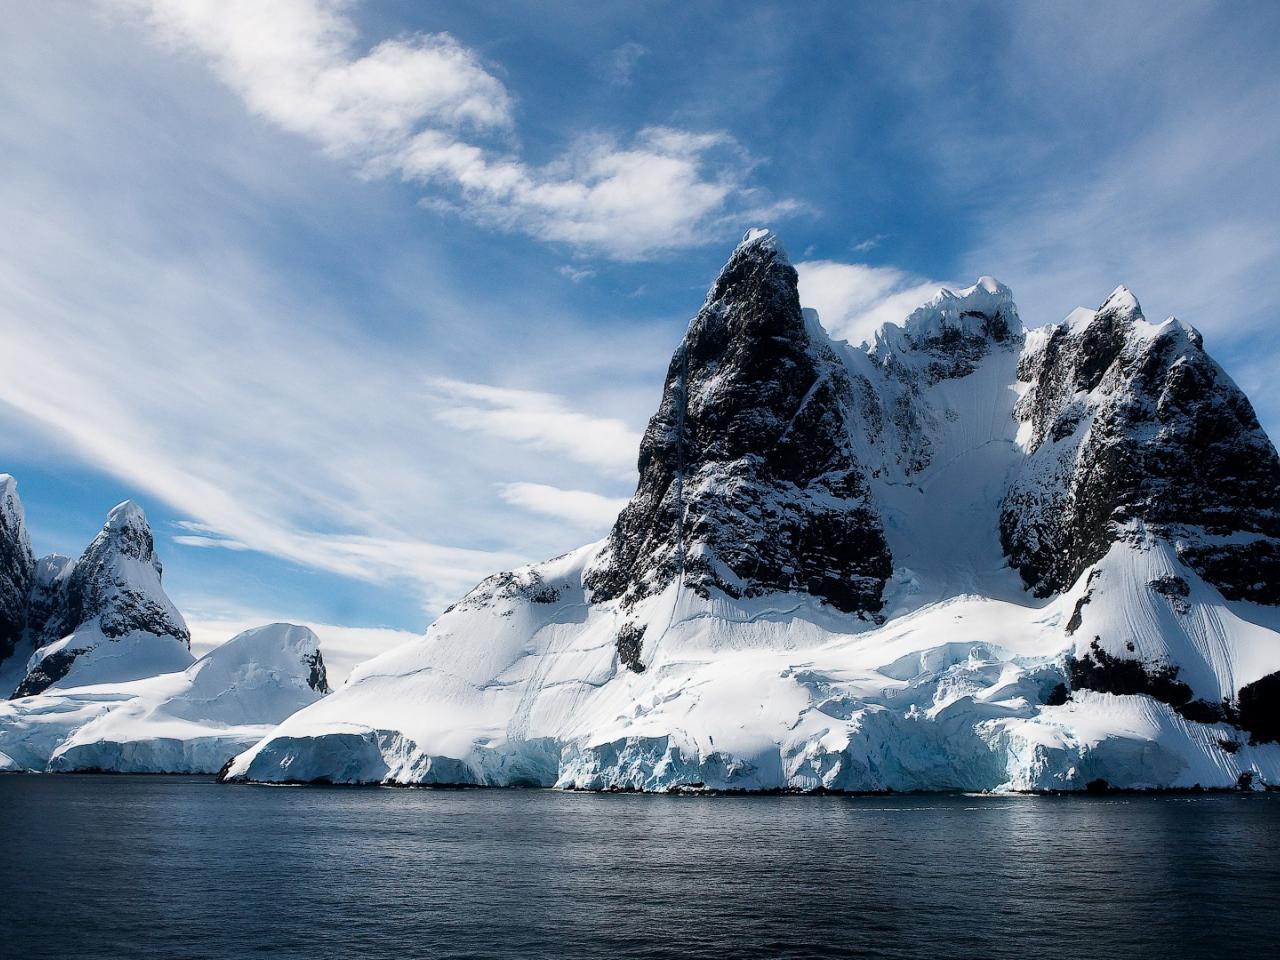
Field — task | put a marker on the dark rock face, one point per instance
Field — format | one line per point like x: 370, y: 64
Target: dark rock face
x: 748, y: 480
x: 317, y: 676
x: 17, y: 568
x: 630, y: 642
x: 47, y: 672
x: 1129, y: 422
x: 1174, y: 589
x: 1257, y: 708
x: 1100, y: 671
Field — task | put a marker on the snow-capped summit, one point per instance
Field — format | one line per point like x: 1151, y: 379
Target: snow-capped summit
x: 106, y: 616
x: 1121, y: 300
x: 1126, y: 422
x: 984, y: 310
x: 127, y: 525
x: 765, y: 238
x: 227, y: 684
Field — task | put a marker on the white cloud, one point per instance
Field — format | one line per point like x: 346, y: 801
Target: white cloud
x: 540, y: 420
x: 575, y: 274
x: 291, y: 62
x: 579, y: 507
x: 426, y: 109
x: 618, y: 67
x: 153, y: 330
x: 854, y: 300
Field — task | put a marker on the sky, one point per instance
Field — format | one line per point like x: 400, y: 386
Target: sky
x: 364, y: 301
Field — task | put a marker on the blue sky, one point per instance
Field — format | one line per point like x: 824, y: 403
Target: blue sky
x: 363, y: 301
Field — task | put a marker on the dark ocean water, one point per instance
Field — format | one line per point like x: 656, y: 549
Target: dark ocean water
x: 170, y: 867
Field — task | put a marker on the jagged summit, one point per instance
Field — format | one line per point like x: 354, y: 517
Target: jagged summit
x: 1125, y: 421
x: 748, y: 480
x: 1122, y: 300
x: 127, y: 515
x: 765, y: 239
x: 107, y: 606
x: 984, y: 312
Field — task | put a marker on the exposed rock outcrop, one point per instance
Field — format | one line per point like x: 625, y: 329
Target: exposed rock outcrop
x: 1129, y: 422
x: 749, y: 482
x: 17, y: 567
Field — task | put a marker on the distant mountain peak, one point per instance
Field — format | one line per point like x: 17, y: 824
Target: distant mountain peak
x: 111, y: 594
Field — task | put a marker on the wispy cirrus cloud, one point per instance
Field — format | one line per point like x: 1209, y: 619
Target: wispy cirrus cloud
x: 581, y: 508
x: 542, y: 421
x: 426, y: 109
x: 197, y: 387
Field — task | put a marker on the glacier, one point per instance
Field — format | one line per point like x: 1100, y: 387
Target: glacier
x: 963, y: 556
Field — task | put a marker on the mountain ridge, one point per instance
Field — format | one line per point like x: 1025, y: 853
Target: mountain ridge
x: 863, y: 603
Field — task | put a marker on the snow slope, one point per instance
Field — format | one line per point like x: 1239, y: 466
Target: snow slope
x: 685, y: 651
x: 759, y: 694
x: 190, y: 721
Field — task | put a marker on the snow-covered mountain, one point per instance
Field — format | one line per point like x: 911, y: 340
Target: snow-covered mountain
x: 98, y: 661
x: 188, y: 721
x: 961, y: 557
x: 103, y: 617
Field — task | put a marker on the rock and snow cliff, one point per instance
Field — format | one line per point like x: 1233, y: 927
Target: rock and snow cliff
x: 964, y: 557
x: 1128, y: 423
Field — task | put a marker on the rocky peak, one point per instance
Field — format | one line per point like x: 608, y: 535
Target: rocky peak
x: 1124, y: 420
x: 117, y: 582
x: 112, y: 592
x: 951, y: 333
x: 17, y: 566
x: 748, y: 480
x: 129, y: 534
